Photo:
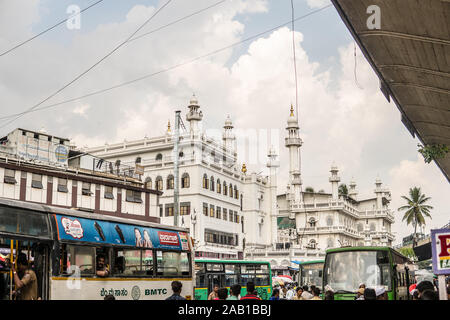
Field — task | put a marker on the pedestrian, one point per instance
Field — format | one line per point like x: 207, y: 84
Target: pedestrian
x: 381, y: 294
x: 250, y: 292
x: 275, y: 295
x: 360, y: 294
x: 283, y: 291
x: 424, y: 285
x: 298, y: 295
x: 109, y: 297
x: 176, y: 288
x: 290, y: 293
x: 429, y: 295
x: 235, y: 292
x: 316, y: 294
x: 305, y: 294
x: 415, y: 295
x: 329, y: 295
x: 27, y: 282
x: 369, y: 294
x: 213, y: 295
x: 222, y: 294
x: 448, y: 293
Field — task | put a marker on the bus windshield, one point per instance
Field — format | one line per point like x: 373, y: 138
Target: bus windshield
x: 346, y: 270
x: 311, y: 274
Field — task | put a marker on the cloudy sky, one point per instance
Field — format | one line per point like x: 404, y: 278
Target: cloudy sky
x: 343, y: 116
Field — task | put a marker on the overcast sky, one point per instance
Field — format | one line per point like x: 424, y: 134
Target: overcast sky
x: 343, y: 119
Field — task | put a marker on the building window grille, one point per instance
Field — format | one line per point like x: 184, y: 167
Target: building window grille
x: 36, y: 181
x: 109, y: 192
x: 62, y: 185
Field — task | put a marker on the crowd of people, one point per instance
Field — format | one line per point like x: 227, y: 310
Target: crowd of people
x: 424, y: 290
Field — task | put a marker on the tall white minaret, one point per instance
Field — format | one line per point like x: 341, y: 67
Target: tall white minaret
x: 228, y: 135
x: 273, y: 164
x: 379, y: 193
x: 334, y: 179
x: 194, y: 116
x: 293, y: 143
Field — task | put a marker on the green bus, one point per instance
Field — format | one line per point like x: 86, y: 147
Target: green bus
x: 310, y: 273
x: 348, y: 267
x: 226, y: 273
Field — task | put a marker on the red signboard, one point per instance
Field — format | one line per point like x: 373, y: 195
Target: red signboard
x: 168, y: 238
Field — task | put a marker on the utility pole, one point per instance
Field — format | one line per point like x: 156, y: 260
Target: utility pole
x: 176, y: 169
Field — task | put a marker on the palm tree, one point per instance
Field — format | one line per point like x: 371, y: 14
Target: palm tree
x: 416, y: 209
x: 343, y: 190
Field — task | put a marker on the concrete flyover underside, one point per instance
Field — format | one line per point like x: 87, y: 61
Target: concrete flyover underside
x: 410, y: 53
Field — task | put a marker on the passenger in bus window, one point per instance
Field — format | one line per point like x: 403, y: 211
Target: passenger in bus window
x: 26, y: 287
x: 102, y: 267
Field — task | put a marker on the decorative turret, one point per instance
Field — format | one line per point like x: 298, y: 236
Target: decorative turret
x: 352, y: 192
x: 379, y: 193
x: 334, y: 179
x: 228, y: 135
x: 194, y: 116
x: 293, y: 143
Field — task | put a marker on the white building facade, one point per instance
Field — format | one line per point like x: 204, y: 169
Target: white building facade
x: 226, y: 209
x: 308, y: 223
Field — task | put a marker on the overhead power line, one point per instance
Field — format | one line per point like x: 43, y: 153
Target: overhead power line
x: 48, y: 29
x: 166, y: 69
x: 91, y: 67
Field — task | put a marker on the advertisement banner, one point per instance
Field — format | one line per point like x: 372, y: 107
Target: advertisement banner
x: 440, y: 244
x: 106, y: 232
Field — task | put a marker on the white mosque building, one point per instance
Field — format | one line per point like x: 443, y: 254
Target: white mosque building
x: 233, y: 214
x: 311, y: 222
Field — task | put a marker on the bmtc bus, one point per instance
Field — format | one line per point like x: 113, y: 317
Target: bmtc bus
x: 346, y: 268
x: 310, y: 273
x: 62, y: 246
x: 226, y: 273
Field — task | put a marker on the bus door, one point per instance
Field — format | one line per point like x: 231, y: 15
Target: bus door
x: 37, y: 254
x: 215, y: 279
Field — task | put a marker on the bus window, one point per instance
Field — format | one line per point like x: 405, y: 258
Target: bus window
x: 214, y: 267
x: 262, y: 268
x: 262, y: 280
x: 170, y: 263
x: 127, y: 262
x: 78, y: 259
x: 231, y: 269
x: 147, y: 262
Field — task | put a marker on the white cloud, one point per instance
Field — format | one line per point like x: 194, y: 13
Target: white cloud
x: 317, y: 3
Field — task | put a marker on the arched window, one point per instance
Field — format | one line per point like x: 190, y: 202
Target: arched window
x: 159, y: 157
x: 170, y: 182
x: 219, y: 186
x: 312, y: 244
x: 185, y: 182
x: 236, y: 194
x: 231, y: 190
x: 359, y: 227
x: 212, y: 183
x: 138, y: 160
x: 330, y: 243
x: 312, y: 222
x: 225, y: 190
x: 205, y: 181
x: 329, y: 221
x: 159, y: 183
x: 148, y: 183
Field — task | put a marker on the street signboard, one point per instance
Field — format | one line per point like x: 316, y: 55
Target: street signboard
x: 440, y: 243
